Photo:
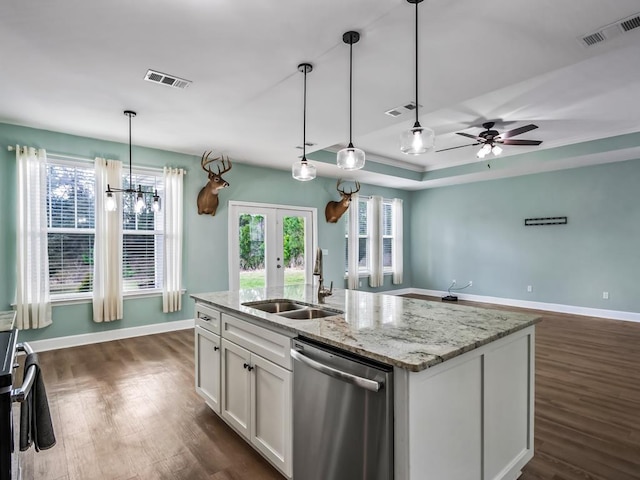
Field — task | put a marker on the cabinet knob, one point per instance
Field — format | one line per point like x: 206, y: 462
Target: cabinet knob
x: 248, y: 367
x: 215, y: 349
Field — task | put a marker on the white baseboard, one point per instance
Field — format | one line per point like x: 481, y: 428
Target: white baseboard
x: 549, y: 307
x: 107, y: 336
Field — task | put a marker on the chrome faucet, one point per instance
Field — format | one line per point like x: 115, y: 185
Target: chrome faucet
x: 317, y: 270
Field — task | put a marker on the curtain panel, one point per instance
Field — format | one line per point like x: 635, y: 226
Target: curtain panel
x: 172, y: 284
x: 107, y: 251
x: 353, y: 244
x: 376, y: 279
x: 33, y: 303
x: 398, y: 239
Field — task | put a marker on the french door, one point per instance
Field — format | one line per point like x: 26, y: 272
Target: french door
x: 270, y: 245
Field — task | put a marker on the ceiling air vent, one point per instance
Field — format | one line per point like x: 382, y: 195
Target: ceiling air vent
x: 630, y: 23
x: 165, y: 79
x: 396, y: 112
x: 611, y: 31
x: 594, y: 38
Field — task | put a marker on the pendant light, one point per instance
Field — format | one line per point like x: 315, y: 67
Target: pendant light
x: 303, y: 170
x: 418, y: 139
x: 140, y: 204
x: 351, y: 158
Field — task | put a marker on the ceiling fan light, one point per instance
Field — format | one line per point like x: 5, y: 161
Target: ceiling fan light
x: 303, y: 171
x: 417, y: 140
x: 351, y: 158
x: 496, y: 150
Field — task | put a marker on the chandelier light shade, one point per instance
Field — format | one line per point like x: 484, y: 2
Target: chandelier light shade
x: 419, y: 139
x: 141, y: 195
x: 303, y: 170
x: 351, y: 158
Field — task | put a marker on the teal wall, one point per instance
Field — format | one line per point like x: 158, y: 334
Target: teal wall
x: 205, y: 265
x: 476, y: 232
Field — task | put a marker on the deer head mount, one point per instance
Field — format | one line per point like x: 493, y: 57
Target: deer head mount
x: 334, y: 210
x: 208, y: 196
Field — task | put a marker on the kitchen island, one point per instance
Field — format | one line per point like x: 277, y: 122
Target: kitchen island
x: 463, y: 376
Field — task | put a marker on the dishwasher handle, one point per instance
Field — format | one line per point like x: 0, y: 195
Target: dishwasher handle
x: 365, y: 383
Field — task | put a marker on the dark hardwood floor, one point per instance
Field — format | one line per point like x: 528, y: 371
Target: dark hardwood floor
x: 128, y: 410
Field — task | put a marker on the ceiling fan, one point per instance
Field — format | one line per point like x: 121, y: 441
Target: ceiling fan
x: 491, y: 139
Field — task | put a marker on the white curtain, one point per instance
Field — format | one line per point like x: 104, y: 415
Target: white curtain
x: 33, y: 303
x: 396, y: 209
x: 352, y: 244
x: 107, y: 251
x: 171, y: 295
x: 376, y: 279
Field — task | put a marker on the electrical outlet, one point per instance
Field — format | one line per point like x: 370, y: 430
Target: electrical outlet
x: 529, y: 288
x: 605, y: 295
x: 360, y: 283
x: 453, y: 282
x: 325, y: 251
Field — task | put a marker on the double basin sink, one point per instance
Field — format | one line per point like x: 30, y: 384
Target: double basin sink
x: 292, y: 309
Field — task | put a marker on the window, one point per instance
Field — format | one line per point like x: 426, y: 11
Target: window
x: 71, y: 230
x: 363, y: 237
x: 364, y: 247
x: 71, y: 227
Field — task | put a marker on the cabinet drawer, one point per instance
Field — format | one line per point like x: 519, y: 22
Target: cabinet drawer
x: 207, y: 318
x: 264, y: 342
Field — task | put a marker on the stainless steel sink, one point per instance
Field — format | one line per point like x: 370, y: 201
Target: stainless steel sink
x: 292, y: 309
x: 308, y: 314
x: 277, y: 306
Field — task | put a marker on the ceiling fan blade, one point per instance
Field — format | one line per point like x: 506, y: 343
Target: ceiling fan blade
x: 519, y: 142
x: 518, y: 131
x: 468, y: 135
x: 459, y: 146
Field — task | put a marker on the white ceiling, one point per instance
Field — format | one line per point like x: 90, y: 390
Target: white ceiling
x: 73, y: 66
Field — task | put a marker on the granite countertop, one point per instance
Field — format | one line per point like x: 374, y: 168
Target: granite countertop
x: 7, y: 320
x: 407, y: 333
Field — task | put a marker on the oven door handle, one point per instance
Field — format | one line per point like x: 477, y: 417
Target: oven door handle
x: 365, y: 383
x: 20, y: 394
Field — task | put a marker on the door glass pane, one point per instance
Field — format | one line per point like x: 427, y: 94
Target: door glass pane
x: 293, y: 249
x: 252, y: 248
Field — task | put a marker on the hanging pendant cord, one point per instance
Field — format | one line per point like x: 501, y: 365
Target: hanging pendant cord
x: 350, y: 94
x: 304, y: 119
x: 416, y: 62
x: 130, y: 176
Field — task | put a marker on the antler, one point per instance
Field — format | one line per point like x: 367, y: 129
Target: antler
x: 206, y: 161
x: 226, y: 167
x: 351, y: 192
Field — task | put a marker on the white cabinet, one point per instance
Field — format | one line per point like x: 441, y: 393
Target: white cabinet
x: 271, y: 412
x: 208, y: 367
x: 243, y: 373
x: 207, y: 353
x: 236, y: 387
x: 256, y: 401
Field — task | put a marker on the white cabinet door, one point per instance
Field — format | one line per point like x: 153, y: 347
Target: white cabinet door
x: 208, y: 367
x: 271, y: 426
x: 236, y: 387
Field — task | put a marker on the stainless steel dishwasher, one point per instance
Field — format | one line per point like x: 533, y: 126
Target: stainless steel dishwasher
x: 342, y: 415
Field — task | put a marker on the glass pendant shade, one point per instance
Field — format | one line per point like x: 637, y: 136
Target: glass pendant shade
x: 417, y: 140
x: 485, y: 150
x: 303, y: 171
x: 156, y: 202
x: 496, y: 150
x: 110, y: 203
x: 139, y: 203
x: 351, y: 158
